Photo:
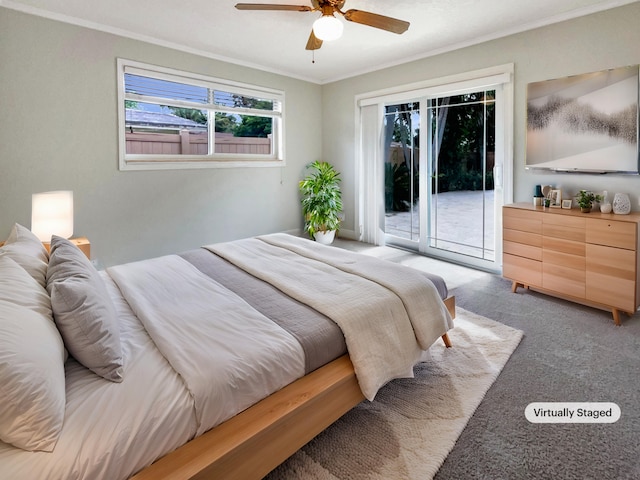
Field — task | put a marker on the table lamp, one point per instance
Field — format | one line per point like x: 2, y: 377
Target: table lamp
x: 52, y: 214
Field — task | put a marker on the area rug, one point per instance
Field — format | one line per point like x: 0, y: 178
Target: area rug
x: 412, y: 425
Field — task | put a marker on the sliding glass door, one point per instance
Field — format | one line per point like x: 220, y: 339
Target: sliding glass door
x: 435, y: 166
x: 439, y: 160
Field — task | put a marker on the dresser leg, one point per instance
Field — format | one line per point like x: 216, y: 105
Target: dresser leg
x: 515, y: 285
x: 616, y: 316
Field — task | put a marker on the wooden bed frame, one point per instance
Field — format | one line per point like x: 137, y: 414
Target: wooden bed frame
x: 254, y: 442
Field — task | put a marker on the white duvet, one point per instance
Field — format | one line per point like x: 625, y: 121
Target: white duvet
x: 229, y: 355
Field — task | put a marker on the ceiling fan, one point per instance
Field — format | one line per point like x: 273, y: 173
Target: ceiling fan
x: 328, y: 27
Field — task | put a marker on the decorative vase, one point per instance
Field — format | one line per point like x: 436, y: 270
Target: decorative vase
x: 585, y: 209
x: 538, y: 191
x: 605, y: 204
x: 605, y: 207
x: 621, y: 204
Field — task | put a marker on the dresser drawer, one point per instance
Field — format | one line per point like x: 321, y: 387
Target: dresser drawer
x: 515, y: 219
x: 561, y: 259
x: 614, y: 263
x: 614, y: 292
x: 522, y: 270
x: 526, y: 238
x: 564, y: 280
x: 523, y: 250
x: 564, y: 220
x: 565, y: 246
x: 612, y: 233
x: 565, y: 227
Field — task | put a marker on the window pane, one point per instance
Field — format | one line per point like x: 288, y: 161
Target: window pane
x: 161, y: 130
x: 155, y: 87
x: 243, y: 134
x: 463, y: 128
x: 402, y: 134
x: 228, y: 99
x: 467, y: 98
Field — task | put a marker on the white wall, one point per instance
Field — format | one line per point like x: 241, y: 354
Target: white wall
x: 600, y: 41
x: 58, y: 131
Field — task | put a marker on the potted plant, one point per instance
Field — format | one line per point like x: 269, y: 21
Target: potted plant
x: 321, y: 202
x: 585, y: 200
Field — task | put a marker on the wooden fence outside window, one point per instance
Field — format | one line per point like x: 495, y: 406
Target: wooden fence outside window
x: 193, y: 143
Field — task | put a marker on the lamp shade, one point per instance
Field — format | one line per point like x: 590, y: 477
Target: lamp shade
x: 52, y: 214
x: 327, y: 28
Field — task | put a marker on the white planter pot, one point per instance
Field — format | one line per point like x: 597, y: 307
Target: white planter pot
x: 326, y: 238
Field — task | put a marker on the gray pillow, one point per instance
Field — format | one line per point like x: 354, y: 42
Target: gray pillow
x: 83, y: 310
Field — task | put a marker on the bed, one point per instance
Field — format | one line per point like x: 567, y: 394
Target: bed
x: 219, y: 362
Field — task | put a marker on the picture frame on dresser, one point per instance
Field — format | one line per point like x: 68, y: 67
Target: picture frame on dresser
x: 567, y: 204
x: 556, y: 198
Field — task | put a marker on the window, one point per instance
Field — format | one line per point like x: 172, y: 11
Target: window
x: 172, y: 119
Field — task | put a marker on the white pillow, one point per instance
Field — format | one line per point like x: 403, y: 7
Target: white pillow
x: 32, y: 381
x: 83, y: 310
x: 28, y: 252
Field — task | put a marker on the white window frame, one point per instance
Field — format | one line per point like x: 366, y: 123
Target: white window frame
x: 129, y: 161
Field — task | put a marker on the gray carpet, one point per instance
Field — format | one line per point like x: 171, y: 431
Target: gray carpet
x: 569, y: 353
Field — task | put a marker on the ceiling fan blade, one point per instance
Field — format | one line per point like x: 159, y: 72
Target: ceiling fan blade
x: 378, y: 21
x: 264, y: 6
x: 314, y: 43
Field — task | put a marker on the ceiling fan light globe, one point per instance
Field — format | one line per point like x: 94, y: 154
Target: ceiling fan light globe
x: 327, y: 28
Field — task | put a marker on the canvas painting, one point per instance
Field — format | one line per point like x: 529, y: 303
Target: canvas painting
x: 586, y: 122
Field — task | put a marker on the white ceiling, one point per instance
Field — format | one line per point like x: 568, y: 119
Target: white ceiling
x: 275, y: 41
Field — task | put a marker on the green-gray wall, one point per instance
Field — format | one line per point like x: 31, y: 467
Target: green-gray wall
x: 595, y: 42
x: 58, y: 131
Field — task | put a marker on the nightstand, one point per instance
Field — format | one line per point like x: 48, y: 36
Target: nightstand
x: 82, y: 243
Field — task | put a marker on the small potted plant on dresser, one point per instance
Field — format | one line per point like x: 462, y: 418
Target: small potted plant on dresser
x: 585, y: 200
x: 321, y: 202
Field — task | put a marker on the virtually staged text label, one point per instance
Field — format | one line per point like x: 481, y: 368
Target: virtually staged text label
x: 572, y: 412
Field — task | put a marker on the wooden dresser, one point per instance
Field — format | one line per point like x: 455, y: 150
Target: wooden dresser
x: 590, y: 258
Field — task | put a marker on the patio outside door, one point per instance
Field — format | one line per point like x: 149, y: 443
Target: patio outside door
x: 439, y: 158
